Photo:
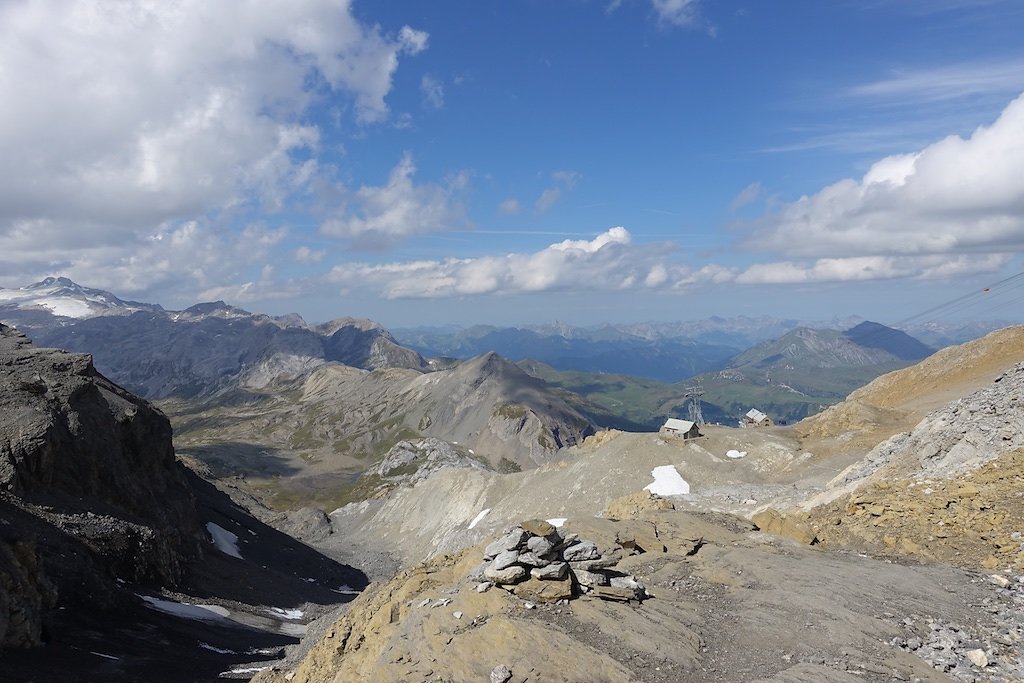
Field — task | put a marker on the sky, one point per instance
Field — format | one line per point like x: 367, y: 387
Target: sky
x: 517, y: 161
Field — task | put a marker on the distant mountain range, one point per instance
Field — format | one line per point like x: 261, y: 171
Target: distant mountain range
x: 159, y: 353
x: 789, y: 378
x: 805, y: 370
x: 60, y: 296
x: 605, y: 349
x: 662, y: 351
x: 212, y: 358
x: 300, y: 409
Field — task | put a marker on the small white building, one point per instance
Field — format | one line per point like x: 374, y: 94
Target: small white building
x: 680, y: 429
x: 755, y: 418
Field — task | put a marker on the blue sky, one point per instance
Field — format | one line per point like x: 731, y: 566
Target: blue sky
x: 512, y: 162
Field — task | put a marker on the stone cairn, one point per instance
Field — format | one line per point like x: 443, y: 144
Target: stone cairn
x: 535, y: 562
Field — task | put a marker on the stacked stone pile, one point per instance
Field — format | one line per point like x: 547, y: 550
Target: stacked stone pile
x: 535, y: 561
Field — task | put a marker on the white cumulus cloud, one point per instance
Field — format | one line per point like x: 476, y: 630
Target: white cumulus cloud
x: 306, y: 255
x: 610, y: 261
x: 956, y: 196
x: 382, y: 215
x: 126, y: 118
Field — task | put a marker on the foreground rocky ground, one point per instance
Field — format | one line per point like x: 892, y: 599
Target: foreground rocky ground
x: 725, y: 603
x: 879, y: 541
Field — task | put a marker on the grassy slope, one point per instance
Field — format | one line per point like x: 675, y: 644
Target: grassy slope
x: 618, y: 401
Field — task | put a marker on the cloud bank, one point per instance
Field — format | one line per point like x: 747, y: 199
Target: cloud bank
x: 379, y: 216
x: 608, y: 262
x: 123, y: 119
x: 954, y: 207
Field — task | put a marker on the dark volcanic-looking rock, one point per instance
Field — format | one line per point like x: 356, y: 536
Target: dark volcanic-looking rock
x: 82, y: 461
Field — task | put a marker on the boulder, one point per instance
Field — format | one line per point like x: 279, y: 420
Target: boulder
x: 532, y: 560
x: 583, y: 550
x: 641, y: 541
x: 509, y: 541
x: 504, y: 559
x: 589, y: 579
x: 507, y: 576
x: 594, y: 565
x: 553, y: 572
x: 774, y: 522
x: 628, y: 583
x: 477, y: 574
x: 978, y: 658
x: 500, y: 674
x: 538, y: 527
x: 546, y: 590
x: 612, y: 593
x: 539, y: 545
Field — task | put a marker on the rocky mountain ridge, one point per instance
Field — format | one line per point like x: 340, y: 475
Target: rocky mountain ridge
x: 69, y: 435
x: 261, y: 397
x: 308, y: 439
x: 59, y: 296
x: 199, y: 350
x: 118, y: 563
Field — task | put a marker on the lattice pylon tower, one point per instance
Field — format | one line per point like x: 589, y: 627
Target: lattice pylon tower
x: 693, y: 395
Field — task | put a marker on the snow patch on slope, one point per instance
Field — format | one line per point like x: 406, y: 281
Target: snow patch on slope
x: 667, y: 482
x: 476, y: 520
x: 224, y: 540
x: 186, y: 610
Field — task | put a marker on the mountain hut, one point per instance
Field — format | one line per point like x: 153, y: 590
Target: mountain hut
x: 680, y: 429
x: 755, y: 418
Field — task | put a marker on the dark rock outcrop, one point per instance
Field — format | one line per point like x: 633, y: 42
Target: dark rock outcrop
x: 366, y: 344
x: 89, y: 487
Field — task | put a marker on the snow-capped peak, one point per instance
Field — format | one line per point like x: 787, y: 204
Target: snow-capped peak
x: 64, y: 297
